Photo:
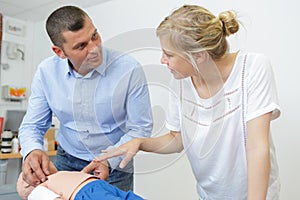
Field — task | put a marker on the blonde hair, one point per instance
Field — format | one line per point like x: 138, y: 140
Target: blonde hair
x: 191, y: 29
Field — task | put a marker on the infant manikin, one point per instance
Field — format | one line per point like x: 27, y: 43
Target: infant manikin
x: 63, y: 183
x: 66, y: 181
x: 72, y: 185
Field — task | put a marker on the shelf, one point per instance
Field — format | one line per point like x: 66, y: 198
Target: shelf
x: 18, y: 155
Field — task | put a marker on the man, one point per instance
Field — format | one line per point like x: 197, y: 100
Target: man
x: 99, y: 96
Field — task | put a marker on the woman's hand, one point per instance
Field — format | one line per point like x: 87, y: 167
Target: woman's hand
x: 166, y: 144
x: 128, y: 150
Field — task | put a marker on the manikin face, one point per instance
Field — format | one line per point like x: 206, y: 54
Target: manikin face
x: 82, y: 48
x: 179, y: 65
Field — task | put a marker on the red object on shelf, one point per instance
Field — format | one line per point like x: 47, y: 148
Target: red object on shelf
x: 1, y: 125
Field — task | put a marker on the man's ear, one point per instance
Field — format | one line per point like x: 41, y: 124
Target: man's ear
x: 59, y: 52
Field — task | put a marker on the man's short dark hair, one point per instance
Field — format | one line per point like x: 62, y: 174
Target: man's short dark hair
x: 67, y: 18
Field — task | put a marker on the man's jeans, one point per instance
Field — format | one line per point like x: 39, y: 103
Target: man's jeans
x: 66, y: 162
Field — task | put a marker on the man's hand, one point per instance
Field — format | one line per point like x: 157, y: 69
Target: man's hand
x: 36, y: 167
x: 100, y: 169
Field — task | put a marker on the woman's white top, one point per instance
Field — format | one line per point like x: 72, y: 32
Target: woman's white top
x: 214, y: 129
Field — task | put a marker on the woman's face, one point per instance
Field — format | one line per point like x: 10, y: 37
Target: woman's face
x: 179, y: 65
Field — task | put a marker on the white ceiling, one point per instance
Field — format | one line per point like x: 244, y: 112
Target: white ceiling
x: 38, y: 10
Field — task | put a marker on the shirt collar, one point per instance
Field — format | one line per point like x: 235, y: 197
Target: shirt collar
x: 69, y: 70
x: 100, y: 69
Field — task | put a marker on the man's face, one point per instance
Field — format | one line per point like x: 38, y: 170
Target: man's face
x: 83, y: 48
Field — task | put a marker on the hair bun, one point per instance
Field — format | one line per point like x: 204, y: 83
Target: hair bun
x: 229, y: 22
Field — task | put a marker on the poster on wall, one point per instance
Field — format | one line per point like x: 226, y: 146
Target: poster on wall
x: 15, y: 28
x: 0, y: 36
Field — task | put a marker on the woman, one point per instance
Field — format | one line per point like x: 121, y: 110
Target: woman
x: 220, y: 108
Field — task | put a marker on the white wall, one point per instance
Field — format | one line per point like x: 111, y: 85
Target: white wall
x: 17, y: 73
x: 270, y: 28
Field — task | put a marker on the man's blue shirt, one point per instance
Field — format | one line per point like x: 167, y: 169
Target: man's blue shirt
x: 107, y: 107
